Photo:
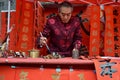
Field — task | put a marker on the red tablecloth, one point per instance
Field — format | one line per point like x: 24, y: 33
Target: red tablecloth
x: 67, y: 60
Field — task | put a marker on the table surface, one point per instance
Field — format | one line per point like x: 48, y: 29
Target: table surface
x: 67, y: 60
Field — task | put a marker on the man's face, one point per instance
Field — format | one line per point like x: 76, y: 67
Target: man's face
x: 65, y: 14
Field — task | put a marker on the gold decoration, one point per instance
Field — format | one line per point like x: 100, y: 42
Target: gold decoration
x: 94, y: 32
x: 27, y: 13
x: 108, y: 18
x: 94, y: 49
x: 24, y: 45
x: 2, y: 77
x: 25, y: 29
x: 109, y: 42
x: 108, y: 11
x: 56, y: 76
x: 109, y: 34
x: 26, y: 21
x: 95, y: 9
x: 94, y: 41
x: 109, y: 25
x: 81, y: 76
x: 24, y: 37
x: 27, y: 6
x: 23, y: 75
x: 109, y: 50
x: 95, y: 17
x: 95, y: 24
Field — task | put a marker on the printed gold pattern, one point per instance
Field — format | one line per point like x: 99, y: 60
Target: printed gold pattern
x: 109, y: 34
x: 81, y: 76
x: 109, y: 50
x: 95, y: 9
x: 27, y: 6
x: 27, y: 13
x: 95, y: 24
x: 23, y: 75
x: 109, y: 26
x: 109, y: 41
x: 94, y: 33
x: 108, y: 11
x: 94, y: 41
x: 25, y: 29
x: 24, y: 45
x: 56, y: 76
x: 24, y: 37
x: 95, y: 17
x: 2, y: 77
x: 94, y: 49
x: 26, y: 21
x: 109, y: 18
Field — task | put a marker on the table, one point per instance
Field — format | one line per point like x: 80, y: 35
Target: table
x: 46, y: 69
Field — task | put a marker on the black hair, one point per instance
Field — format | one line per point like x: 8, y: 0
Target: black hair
x: 65, y: 4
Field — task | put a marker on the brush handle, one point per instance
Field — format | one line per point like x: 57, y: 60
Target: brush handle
x: 46, y: 44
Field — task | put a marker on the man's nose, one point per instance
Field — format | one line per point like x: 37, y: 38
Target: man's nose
x: 65, y: 17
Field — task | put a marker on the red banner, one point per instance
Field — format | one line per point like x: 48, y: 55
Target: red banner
x: 116, y: 18
x: 109, y: 32
x: 95, y: 30
x: 107, y: 70
x: 3, y: 26
x: 25, y: 26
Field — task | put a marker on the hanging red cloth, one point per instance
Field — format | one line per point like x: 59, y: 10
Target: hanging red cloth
x: 95, y: 30
x: 25, y: 26
x: 109, y: 32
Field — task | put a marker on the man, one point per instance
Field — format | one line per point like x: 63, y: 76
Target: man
x: 62, y: 30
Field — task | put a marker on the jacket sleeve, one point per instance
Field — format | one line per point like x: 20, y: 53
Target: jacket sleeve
x: 77, y: 36
x: 46, y: 29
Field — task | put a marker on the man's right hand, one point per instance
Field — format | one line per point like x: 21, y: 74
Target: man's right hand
x: 43, y: 41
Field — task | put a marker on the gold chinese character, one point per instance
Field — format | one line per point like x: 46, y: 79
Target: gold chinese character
x: 109, y: 50
x: 2, y: 77
x: 24, y: 45
x: 109, y: 42
x: 27, y: 5
x: 81, y: 76
x: 94, y: 49
x: 108, y: 18
x: 25, y: 29
x: 94, y: 41
x: 95, y: 9
x: 109, y: 34
x: 108, y: 10
x: 94, y: 33
x: 109, y: 25
x: 95, y: 25
x: 56, y: 76
x: 27, y: 14
x: 23, y: 75
x: 26, y: 21
x: 95, y: 17
x: 24, y: 37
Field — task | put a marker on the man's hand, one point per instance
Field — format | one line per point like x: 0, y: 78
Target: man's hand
x: 43, y: 41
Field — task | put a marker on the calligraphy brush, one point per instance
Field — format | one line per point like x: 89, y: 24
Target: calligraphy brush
x: 46, y: 44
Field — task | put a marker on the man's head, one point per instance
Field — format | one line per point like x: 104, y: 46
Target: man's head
x: 65, y: 11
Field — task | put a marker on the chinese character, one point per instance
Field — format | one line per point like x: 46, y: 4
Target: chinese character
x: 107, y: 68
